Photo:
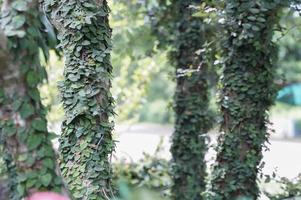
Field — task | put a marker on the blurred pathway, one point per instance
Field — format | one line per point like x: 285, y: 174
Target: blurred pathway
x: 284, y: 156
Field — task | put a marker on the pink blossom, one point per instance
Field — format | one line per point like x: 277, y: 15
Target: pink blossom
x: 47, y: 196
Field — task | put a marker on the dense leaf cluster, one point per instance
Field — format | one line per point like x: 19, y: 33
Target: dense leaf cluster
x: 86, y: 142
x: 248, y: 91
x: 29, y: 155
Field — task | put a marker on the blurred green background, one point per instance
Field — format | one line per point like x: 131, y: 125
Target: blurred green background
x: 143, y: 86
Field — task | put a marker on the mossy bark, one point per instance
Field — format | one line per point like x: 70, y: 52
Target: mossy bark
x: 191, y: 104
x: 86, y: 142
x: 248, y: 91
x: 27, y: 143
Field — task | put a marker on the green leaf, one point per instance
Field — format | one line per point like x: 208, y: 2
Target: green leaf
x: 52, y: 135
x: 260, y: 19
x: 30, y: 183
x: 18, y: 21
x: 30, y: 160
x: 18, y: 33
x: 34, y: 94
x: 88, y: 5
x: 247, y: 25
x: 255, y: 28
x: 16, y: 104
x: 20, y: 5
x: 9, y: 130
x: 83, y: 145
x: 82, y: 93
x: 20, y: 190
x: 39, y: 124
x: 46, y: 179
x: 252, y: 18
x: 78, y: 195
x: 73, y: 77
x: 32, y: 78
x: 88, y: 19
x: 86, y: 42
x: 254, y: 10
x: 33, y: 141
x: 79, y: 132
x: 49, y: 163
x: 26, y: 110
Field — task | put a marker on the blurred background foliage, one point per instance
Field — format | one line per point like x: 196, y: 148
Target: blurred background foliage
x: 128, y: 193
x: 143, y: 86
x: 288, y: 38
x: 289, y: 189
x: 152, y: 172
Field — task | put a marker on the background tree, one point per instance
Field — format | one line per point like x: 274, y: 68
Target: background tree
x: 248, y: 91
x: 86, y: 142
x: 28, y: 151
x: 187, y: 35
x: 141, y: 86
x: 288, y: 65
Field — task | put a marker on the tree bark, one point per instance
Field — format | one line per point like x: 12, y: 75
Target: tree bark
x: 248, y: 90
x: 86, y: 143
x: 23, y: 127
x: 193, y: 119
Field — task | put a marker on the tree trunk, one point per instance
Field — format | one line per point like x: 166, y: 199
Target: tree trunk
x: 248, y: 90
x: 23, y: 127
x: 193, y: 121
x: 86, y: 143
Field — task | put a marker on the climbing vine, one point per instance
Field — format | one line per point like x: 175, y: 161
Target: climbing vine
x: 248, y: 90
x: 187, y: 35
x: 193, y: 120
x: 86, y: 142
x: 27, y: 143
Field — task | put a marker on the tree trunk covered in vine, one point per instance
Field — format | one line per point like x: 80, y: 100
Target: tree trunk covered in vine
x: 27, y: 144
x: 248, y: 91
x: 193, y: 121
x: 86, y: 142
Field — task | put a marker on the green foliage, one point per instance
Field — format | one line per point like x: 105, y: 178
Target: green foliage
x: 290, y: 189
x: 49, y: 90
x: 152, y: 173
x: 126, y: 193
x: 86, y: 142
x: 136, y: 85
x: 23, y: 127
x: 247, y: 92
x: 289, y: 65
